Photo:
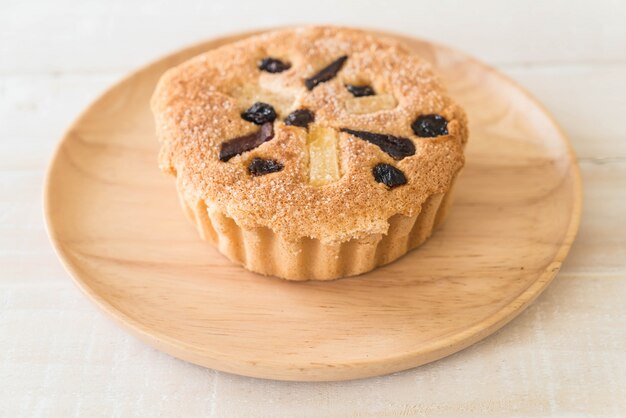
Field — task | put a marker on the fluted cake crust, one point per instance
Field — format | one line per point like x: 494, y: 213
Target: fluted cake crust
x: 262, y: 251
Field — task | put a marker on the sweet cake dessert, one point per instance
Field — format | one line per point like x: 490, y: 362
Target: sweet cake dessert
x: 310, y: 153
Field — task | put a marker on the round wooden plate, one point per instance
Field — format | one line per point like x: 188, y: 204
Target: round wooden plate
x: 115, y: 222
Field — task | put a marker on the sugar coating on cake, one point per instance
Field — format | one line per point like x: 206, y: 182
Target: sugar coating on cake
x: 199, y: 104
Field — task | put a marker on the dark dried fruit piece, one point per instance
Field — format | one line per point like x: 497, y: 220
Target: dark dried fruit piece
x: 360, y: 91
x: 273, y: 65
x: 300, y: 117
x: 259, y: 113
x: 430, y: 126
x: 325, y: 74
x: 388, y: 175
x: 260, y: 166
x: 396, y: 146
x: 245, y: 143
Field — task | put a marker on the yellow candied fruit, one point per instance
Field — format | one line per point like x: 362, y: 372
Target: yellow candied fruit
x: 370, y: 104
x: 247, y: 95
x: 323, y: 161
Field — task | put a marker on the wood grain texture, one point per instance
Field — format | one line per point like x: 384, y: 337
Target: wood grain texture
x: 116, y: 224
x: 61, y: 357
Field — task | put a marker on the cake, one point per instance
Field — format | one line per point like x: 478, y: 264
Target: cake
x: 310, y: 152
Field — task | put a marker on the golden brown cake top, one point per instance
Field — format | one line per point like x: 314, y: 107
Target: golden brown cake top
x: 317, y: 132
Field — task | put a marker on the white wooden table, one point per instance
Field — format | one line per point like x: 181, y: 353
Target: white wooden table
x: 59, y: 356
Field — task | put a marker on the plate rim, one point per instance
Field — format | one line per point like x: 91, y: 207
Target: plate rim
x: 432, y: 350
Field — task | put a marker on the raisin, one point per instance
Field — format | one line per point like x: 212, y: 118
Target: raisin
x: 259, y: 113
x: 245, y: 143
x: 396, y: 146
x: 388, y: 175
x: 260, y: 167
x: 327, y: 73
x: 300, y: 117
x: 360, y: 91
x: 273, y: 65
x: 430, y: 126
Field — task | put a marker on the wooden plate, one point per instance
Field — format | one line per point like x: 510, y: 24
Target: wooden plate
x: 115, y: 222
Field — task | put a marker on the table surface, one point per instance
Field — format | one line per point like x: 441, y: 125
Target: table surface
x: 60, y: 356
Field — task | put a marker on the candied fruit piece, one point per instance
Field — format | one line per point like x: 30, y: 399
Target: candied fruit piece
x: 248, y: 94
x: 259, y: 113
x: 430, y: 126
x: 245, y: 143
x: 396, y: 146
x: 323, y: 162
x: 388, y: 175
x: 370, y: 104
x: 360, y: 91
x: 260, y: 166
x: 273, y: 65
x: 327, y: 73
x: 300, y: 117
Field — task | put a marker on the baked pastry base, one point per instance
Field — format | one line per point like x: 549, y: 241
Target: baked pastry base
x: 265, y: 252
